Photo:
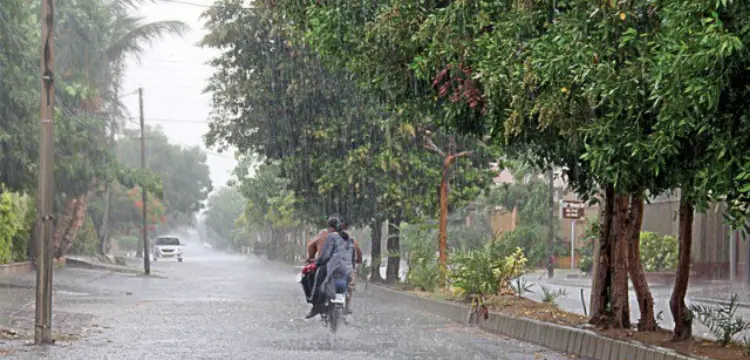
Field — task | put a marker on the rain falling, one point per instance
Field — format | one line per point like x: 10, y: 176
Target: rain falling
x: 330, y: 179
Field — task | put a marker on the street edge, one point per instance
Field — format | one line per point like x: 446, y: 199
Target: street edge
x: 569, y: 340
x: 84, y: 264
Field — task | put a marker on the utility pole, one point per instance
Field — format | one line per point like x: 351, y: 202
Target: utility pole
x: 146, y: 255
x: 551, y: 240
x: 43, y: 232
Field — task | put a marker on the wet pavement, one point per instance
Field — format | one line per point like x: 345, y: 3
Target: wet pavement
x: 219, y: 306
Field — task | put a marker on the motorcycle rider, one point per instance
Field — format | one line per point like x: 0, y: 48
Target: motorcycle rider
x: 335, y: 261
x: 314, y: 248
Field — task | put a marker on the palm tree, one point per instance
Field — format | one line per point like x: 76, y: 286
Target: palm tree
x: 96, y: 38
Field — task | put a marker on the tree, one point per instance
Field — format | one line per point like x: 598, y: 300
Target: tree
x: 18, y: 95
x: 320, y: 130
x: 183, y: 170
x: 703, y: 119
x: 224, y: 208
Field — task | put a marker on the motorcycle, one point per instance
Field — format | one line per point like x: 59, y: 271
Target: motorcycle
x: 334, y: 313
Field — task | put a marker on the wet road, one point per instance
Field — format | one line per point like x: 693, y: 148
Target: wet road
x: 219, y: 306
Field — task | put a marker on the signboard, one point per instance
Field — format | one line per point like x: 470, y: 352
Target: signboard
x: 573, y: 210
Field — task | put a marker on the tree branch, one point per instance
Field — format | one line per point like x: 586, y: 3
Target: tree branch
x: 430, y: 145
x: 460, y: 155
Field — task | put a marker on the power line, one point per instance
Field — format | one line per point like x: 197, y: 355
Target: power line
x: 181, y: 121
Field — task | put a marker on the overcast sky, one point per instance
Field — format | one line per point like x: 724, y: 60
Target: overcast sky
x: 173, y: 75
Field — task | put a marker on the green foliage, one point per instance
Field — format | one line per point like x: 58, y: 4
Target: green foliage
x: 19, y: 94
x: 364, y: 270
x: 312, y: 121
x: 182, y: 171
x: 418, y: 245
x: 586, y: 252
x: 549, y: 296
x: 658, y: 253
x: 22, y: 238
x: 87, y: 241
x: 529, y: 195
x: 722, y: 320
x: 224, y: 207
x: 425, y: 274
x: 485, y: 272
x: 12, y: 221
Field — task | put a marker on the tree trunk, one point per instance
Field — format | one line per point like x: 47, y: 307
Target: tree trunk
x: 621, y: 237
x: 79, y: 217
x: 66, y: 218
x: 104, y: 228
x: 443, y: 229
x: 394, y: 251
x: 375, y: 253
x: 600, y: 296
x: 683, y: 328
x: 647, y: 321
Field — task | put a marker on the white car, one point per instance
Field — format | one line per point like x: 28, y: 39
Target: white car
x: 168, y: 247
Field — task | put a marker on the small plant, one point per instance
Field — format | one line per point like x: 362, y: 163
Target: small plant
x: 586, y: 252
x: 721, y: 320
x: 549, y: 296
x: 363, y: 270
x: 485, y: 271
x: 424, y: 274
x: 746, y: 346
x: 476, y: 271
x: 520, y: 286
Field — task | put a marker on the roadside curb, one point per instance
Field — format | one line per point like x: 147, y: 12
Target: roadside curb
x: 569, y: 340
x: 79, y: 263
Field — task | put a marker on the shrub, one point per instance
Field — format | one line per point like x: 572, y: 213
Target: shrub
x: 586, y: 252
x: 722, y: 320
x: 418, y: 243
x: 87, y: 241
x: 658, y: 253
x: 12, y: 222
x: 22, y: 238
x: 364, y: 270
x: 474, y: 271
x: 485, y: 272
x: 549, y: 296
x: 424, y: 274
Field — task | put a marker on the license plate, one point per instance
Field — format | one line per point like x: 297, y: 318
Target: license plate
x: 339, y: 299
